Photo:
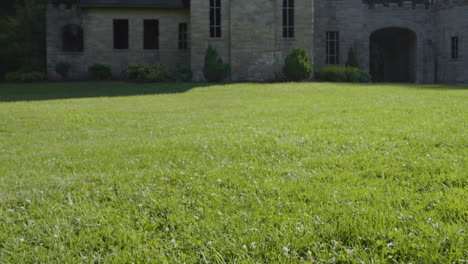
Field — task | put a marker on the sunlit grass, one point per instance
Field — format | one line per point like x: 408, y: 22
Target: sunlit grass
x: 240, y: 173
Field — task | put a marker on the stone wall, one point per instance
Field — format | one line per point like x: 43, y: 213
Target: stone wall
x: 452, y: 20
x: 200, y: 35
x: 97, y: 24
x: 357, y: 21
x: 258, y: 48
x: 252, y: 40
x: 56, y: 19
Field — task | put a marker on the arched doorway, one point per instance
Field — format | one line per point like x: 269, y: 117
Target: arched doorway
x: 393, y: 55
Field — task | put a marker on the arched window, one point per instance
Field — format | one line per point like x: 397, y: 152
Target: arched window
x: 72, y: 38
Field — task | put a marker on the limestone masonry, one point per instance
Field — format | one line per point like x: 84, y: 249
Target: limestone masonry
x: 402, y: 41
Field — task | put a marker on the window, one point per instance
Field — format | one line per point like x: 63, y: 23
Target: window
x: 288, y: 18
x: 72, y: 38
x: 215, y: 18
x: 455, y: 47
x: 151, y: 34
x: 121, y: 34
x: 183, y: 36
x: 333, y: 47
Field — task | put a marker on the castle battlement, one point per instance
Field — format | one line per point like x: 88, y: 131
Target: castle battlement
x: 446, y: 4
x: 405, y: 5
x: 63, y: 11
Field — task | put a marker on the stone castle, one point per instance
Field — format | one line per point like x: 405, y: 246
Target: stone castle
x: 395, y: 41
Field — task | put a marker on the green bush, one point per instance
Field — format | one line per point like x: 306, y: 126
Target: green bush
x: 182, y: 74
x: 342, y: 74
x: 297, y: 66
x: 151, y: 73
x: 332, y: 74
x: 63, y: 68
x: 33, y: 76
x: 158, y: 73
x: 352, y: 60
x: 215, y: 70
x: 100, y: 72
x: 356, y: 75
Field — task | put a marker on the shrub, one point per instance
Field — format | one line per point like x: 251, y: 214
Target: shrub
x: 332, y: 74
x: 100, y: 72
x: 33, y: 76
x: 297, y: 66
x: 182, y: 74
x: 214, y: 69
x: 356, y: 75
x: 152, y: 73
x: 158, y: 73
x: 352, y: 60
x: 63, y: 68
x: 342, y: 74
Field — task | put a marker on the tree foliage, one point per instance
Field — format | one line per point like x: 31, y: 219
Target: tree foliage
x: 22, y: 38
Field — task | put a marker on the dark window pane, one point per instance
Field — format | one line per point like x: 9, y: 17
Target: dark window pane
x: 215, y: 18
x: 212, y: 32
x: 288, y: 18
x: 72, y: 38
x: 151, y: 34
x: 121, y: 34
x: 182, y: 36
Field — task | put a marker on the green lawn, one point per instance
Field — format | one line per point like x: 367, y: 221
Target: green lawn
x: 238, y: 173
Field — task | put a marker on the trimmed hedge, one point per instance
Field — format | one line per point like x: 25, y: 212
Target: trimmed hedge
x: 182, y: 74
x: 100, y: 72
x: 150, y: 73
x: 342, y: 74
x: 157, y: 73
x: 33, y: 76
x: 297, y: 66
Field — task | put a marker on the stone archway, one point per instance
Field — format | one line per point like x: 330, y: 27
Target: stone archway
x: 393, y: 55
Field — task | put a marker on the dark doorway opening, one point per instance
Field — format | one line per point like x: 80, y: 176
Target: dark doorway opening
x: 393, y: 55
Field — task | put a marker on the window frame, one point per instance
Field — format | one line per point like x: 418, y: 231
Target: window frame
x: 215, y: 19
x: 455, y: 47
x: 332, y: 47
x: 183, y: 36
x: 288, y: 19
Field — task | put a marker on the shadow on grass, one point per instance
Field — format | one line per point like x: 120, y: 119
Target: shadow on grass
x: 440, y: 87
x: 52, y: 91
x: 10, y: 92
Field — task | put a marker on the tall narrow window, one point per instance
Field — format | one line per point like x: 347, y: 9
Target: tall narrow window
x: 183, y: 36
x: 215, y: 18
x: 151, y: 34
x: 288, y: 18
x: 333, y: 47
x: 120, y: 34
x: 455, y: 47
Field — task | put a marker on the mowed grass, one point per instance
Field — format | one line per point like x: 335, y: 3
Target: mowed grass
x: 238, y: 173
